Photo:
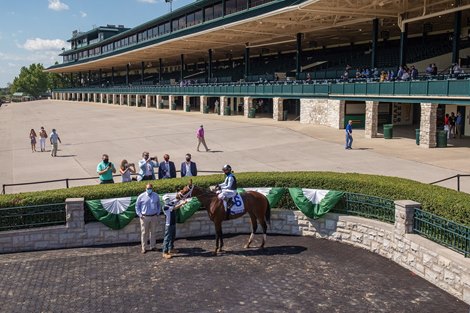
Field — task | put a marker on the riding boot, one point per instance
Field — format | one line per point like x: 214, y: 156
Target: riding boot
x: 229, y: 205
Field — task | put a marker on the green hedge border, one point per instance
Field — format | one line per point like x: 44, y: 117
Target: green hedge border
x: 441, y: 201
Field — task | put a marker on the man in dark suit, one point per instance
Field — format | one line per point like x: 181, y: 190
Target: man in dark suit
x: 188, y: 168
x: 167, y: 168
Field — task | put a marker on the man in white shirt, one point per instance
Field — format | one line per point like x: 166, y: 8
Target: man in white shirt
x: 55, y: 139
x: 188, y: 168
x: 147, y: 207
x: 146, y: 167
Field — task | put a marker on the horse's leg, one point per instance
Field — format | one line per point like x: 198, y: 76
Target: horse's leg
x: 218, y: 236
x: 254, y: 227
x: 265, y: 228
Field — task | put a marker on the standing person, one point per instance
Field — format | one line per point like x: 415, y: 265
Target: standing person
x: 32, y: 137
x: 452, y: 124
x: 201, y: 138
x: 447, y: 125
x: 170, y: 226
x: 146, y: 166
x: 126, y: 170
x: 106, y: 170
x: 42, y: 139
x: 349, y: 138
x: 147, y: 208
x: 458, y: 124
x: 167, y: 168
x: 54, y: 139
x: 188, y: 168
x: 216, y: 107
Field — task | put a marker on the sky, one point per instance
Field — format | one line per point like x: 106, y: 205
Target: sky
x: 35, y: 31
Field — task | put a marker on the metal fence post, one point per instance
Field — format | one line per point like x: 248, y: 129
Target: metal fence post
x: 67, y: 183
x: 458, y: 182
x: 3, y: 189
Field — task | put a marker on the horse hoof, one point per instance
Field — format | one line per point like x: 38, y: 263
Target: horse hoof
x: 246, y: 246
x: 214, y: 253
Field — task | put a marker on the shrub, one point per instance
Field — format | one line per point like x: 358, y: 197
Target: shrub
x: 444, y: 202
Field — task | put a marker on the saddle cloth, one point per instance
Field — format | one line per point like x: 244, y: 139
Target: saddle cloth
x: 238, y: 205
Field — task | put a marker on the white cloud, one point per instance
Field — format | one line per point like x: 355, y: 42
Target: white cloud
x: 83, y: 14
x: 147, y: 1
x: 43, y: 44
x: 56, y: 5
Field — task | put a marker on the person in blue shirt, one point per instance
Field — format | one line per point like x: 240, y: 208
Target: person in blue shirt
x: 458, y: 124
x: 228, y: 189
x: 349, y: 138
x: 146, y: 167
x: 147, y: 208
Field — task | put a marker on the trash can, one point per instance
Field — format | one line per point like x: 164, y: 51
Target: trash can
x: 417, y: 137
x: 205, y: 109
x: 173, y: 106
x: 252, y: 113
x: 441, y: 139
x: 160, y: 105
x: 284, y: 115
x: 188, y: 108
x: 227, y: 111
x: 388, y: 131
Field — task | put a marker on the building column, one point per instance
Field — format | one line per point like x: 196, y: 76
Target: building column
x: 223, y: 104
x: 322, y: 112
x: 209, y: 67
x: 428, y: 127
x: 403, y: 44
x: 186, y: 104
x: 142, y: 70
x: 456, y: 36
x: 114, y: 98
x: 159, y: 99
x: 203, y: 103
x: 101, y: 97
x: 404, y: 216
x: 247, y: 63
x: 372, y: 119
x: 375, y: 34
x: 171, y: 100
x: 121, y: 99
x: 147, y: 101
x: 182, y: 68
x: 298, y: 61
x: 278, y: 109
x: 160, y: 71
x: 127, y: 74
x: 95, y: 97
x: 247, y: 105
x: 232, y: 105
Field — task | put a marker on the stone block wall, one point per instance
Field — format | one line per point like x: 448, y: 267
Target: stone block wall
x: 322, y: 112
x: 435, y: 263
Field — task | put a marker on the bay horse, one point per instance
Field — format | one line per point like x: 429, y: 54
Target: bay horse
x: 256, y: 205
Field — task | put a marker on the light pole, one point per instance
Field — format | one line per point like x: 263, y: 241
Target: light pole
x: 171, y: 4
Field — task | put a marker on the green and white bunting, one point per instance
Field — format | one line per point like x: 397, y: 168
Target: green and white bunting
x: 114, y: 213
x: 273, y: 194
x: 315, y: 203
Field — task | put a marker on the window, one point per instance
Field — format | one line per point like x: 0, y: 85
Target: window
x: 167, y: 27
x: 209, y: 13
x: 155, y: 31
x: 230, y: 6
x: 174, y: 25
x: 182, y: 22
x: 190, y: 19
x: 241, y: 5
x: 144, y: 35
x: 218, y: 12
x: 198, y: 17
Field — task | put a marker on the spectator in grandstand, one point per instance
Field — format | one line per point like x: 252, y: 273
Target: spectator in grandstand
x: 105, y: 170
x: 458, y: 124
x: 167, y: 168
x: 429, y: 70
x: 42, y: 139
x: 349, y: 138
x: 147, y: 208
x: 126, y: 169
x: 54, y: 139
x: 146, y: 167
x: 413, y: 72
x: 391, y: 75
x: 456, y: 70
x: 375, y: 73
x: 452, y: 124
x: 447, y: 125
x: 405, y: 75
x: 358, y: 73
x: 434, y: 69
x: 32, y: 137
x: 201, y: 138
x: 188, y: 167
x: 383, y: 76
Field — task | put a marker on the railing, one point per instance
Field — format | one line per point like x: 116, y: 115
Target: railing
x: 447, y: 233
x: 368, y: 206
x: 452, y: 177
x: 32, y: 216
x: 68, y: 180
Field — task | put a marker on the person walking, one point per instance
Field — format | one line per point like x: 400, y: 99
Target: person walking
x: 349, y: 137
x: 146, y: 167
x: 188, y: 168
x: 147, y: 208
x: 42, y: 139
x: 458, y: 125
x: 105, y: 170
x: 32, y: 137
x: 166, y: 168
x: 126, y: 169
x: 54, y: 139
x: 201, y: 138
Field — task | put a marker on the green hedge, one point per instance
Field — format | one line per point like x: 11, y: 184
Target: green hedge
x: 444, y: 202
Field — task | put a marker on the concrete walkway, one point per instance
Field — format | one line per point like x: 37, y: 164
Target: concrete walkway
x: 88, y: 130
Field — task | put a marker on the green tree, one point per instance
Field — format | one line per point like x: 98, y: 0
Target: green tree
x: 32, y: 80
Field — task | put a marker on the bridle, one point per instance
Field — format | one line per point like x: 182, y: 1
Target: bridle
x: 186, y: 195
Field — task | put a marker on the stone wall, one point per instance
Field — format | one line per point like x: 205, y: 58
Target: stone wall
x: 322, y: 112
x: 437, y: 264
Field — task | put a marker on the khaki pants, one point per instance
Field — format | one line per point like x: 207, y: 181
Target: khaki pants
x: 203, y: 141
x: 148, y: 224
x: 55, y: 147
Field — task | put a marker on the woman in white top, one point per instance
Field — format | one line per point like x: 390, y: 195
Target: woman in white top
x: 126, y: 170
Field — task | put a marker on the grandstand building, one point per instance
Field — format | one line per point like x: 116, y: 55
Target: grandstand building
x: 317, y: 61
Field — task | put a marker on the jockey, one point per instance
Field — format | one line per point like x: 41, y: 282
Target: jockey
x: 228, y: 189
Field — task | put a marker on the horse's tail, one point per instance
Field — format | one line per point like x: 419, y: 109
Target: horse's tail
x: 268, y: 214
